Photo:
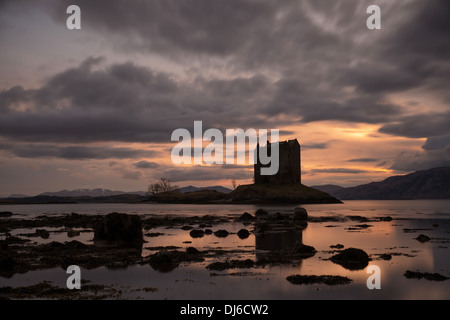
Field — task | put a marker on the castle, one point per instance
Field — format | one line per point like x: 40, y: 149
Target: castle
x: 289, y: 167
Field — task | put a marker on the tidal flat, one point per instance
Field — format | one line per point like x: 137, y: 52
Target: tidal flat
x: 238, y: 252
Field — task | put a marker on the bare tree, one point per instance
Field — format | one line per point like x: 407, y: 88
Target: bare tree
x: 164, y: 185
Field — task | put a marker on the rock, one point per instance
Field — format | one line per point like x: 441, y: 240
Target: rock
x: 197, y: 233
x: 187, y: 227
x: 5, y: 214
x: 163, y: 261
x: 337, y: 246
x: 166, y: 261
x: 260, y: 213
x: 425, y: 275
x: 44, y: 234
x: 300, y: 214
x: 221, y: 233
x: 243, y: 233
x: 351, y: 259
x: 385, y: 256
x: 358, y: 218
x: 387, y: 218
x: 208, y: 231
x: 192, y: 250
x: 73, y: 233
x: 423, y: 238
x: 120, y: 228
x: 246, y: 216
x: 154, y: 234
x: 313, y: 279
x: 304, y: 250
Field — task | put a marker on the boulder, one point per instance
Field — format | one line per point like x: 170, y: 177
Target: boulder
x: 197, y: 233
x: 304, y: 251
x: 351, y: 259
x: 246, y: 216
x: 221, y: 233
x: 192, y: 250
x: 300, y: 214
x: 243, y: 234
x: 5, y: 214
x: 423, y: 238
x: 163, y: 261
x: 44, y: 234
x: 73, y: 233
x: 261, y: 212
x: 119, y: 228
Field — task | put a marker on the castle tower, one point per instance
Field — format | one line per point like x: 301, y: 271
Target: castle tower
x: 289, y: 169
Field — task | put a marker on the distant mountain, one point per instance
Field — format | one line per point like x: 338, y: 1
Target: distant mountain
x: 192, y: 189
x: 328, y: 188
x: 427, y: 184
x: 40, y: 199
x: 98, y: 192
x: 18, y: 195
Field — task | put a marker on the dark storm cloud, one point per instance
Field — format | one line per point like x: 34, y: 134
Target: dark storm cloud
x: 420, y: 126
x: 436, y: 143
x: 427, y: 159
x: 301, y: 97
x: 339, y: 170
x: 73, y: 152
x: 364, y: 160
x: 303, y: 61
x: 322, y: 145
x: 125, y: 102
x: 199, y: 173
x: 435, y: 153
x: 146, y: 165
x: 200, y: 26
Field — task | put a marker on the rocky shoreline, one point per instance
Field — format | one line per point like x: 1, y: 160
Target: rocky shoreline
x: 118, y: 242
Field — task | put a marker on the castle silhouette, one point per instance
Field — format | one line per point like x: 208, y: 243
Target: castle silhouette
x: 289, y: 164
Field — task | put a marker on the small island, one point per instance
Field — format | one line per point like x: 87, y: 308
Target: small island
x: 284, y: 187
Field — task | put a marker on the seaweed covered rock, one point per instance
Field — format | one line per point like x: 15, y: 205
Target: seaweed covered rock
x: 243, y: 234
x: 351, y: 259
x: 246, y: 217
x: 304, y: 250
x: 166, y: 261
x: 221, y: 233
x: 197, y: 233
x: 5, y: 214
x: 423, y: 238
x: 261, y: 213
x: 120, y: 228
x: 300, y: 214
x: 313, y: 279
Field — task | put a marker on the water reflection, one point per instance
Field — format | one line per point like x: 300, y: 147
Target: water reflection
x: 278, y: 239
x: 281, y: 243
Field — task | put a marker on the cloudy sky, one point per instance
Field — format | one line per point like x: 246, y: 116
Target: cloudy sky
x: 96, y: 107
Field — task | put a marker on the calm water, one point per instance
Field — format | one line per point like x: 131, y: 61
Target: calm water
x: 194, y: 281
x: 395, y: 208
